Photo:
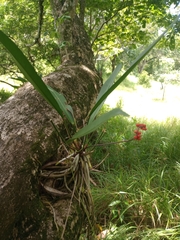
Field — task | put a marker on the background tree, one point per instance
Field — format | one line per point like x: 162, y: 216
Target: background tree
x: 112, y: 27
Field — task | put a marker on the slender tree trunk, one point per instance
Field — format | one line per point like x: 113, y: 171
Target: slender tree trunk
x: 28, y: 140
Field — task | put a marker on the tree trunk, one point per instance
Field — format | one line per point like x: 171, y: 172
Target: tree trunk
x: 30, y: 210
x: 75, y: 48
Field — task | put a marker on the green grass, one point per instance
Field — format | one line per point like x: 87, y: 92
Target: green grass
x: 138, y: 185
x: 4, y: 94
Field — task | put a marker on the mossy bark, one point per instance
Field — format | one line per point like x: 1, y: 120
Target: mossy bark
x: 28, y: 139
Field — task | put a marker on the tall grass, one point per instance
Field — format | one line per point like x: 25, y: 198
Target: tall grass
x: 4, y: 94
x: 138, y: 185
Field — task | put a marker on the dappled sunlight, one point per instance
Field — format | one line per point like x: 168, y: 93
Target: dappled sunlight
x: 147, y: 102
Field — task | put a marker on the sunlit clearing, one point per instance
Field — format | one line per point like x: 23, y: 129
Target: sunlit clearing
x: 158, y: 102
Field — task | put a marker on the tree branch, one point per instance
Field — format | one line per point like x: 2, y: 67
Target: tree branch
x: 14, y: 86
x: 41, y: 13
x: 124, y: 5
x: 40, y: 23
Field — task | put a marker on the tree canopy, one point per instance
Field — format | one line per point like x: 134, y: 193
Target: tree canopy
x: 112, y: 26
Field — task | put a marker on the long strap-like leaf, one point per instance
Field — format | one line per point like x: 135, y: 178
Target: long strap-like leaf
x: 56, y: 100
x: 104, y: 89
x: 93, y: 126
x: 133, y: 65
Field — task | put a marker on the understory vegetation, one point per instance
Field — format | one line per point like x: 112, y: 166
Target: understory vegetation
x: 4, y: 94
x: 136, y: 188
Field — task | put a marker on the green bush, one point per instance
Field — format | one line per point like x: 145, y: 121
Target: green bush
x: 144, y: 79
x: 127, y: 84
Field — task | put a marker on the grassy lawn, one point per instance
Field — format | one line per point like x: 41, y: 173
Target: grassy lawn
x: 147, y: 102
x: 138, y: 184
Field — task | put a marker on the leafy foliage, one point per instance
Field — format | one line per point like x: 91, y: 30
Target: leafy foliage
x: 19, y: 20
x: 112, y: 26
x: 115, y: 25
x: 144, y: 79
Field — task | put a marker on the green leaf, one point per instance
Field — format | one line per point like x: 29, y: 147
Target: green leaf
x: 62, y: 103
x: 91, y: 127
x: 133, y: 65
x: 104, y: 89
x: 51, y: 96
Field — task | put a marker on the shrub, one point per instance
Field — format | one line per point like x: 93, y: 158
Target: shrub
x: 144, y: 79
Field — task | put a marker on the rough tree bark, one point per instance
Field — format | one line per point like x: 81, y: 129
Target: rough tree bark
x: 28, y: 139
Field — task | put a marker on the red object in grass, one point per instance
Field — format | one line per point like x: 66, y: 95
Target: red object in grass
x: 141, y: 126
x: 137, y: 135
